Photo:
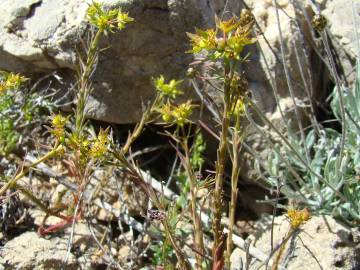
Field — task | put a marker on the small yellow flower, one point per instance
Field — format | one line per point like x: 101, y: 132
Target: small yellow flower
x: 14, y: 81
x: 178, y: 115
x: 236, y: 44
x: 58, y: 123
x: 107, y: 20
x: 103, y: 136
x: 123, y: 18
x: 298, y: 217
x: 3, y: 88
x: 235, y: 36
x: 227, y: 26
x: 203, y: 40
x: 166, y: 113
x: 103, y: 23
x: 239, y: 107
x: 167, y: 89
x: 97, y: 150
x: 182, y: 113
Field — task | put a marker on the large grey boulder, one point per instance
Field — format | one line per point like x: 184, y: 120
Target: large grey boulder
x: 39, y: 36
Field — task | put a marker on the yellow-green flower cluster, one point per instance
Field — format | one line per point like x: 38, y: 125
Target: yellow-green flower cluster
x: 80, y: 145
x: 239, y: 107
x: 88, y: 149
x: 11, y: 81
x: 178, y: 115
x: 122, y: 19
x: 171, y: 114
x: 107, y: 20
x: 298, y: 217
x: 170, y: 89
x: 203, y: 40
x: 166, y: 112
x: 234, y: 35
x: 58, y: 123
x: 99, y: 146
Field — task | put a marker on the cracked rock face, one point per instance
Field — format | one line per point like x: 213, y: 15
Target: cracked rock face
x: 38, y: 36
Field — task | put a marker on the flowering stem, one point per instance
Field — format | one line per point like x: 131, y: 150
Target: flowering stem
x: 139, y: 127
x: 221, y: 158
x: 198, y: 230
x: 147, y: 188
x: 236, y: 144
x: 86, y: 70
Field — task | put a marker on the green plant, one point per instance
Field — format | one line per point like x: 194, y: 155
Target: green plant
x: 163, y: 255
x: 17, y: 109
x: 225, y: 45
x: 73, y: 141
x: 314, y: 191
x: 21, y: 109
x: 316, y: 167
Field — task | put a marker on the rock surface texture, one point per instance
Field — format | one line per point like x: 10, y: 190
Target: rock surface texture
x: 30, y: 251
x: 322, y: 243
x: 344, y: 29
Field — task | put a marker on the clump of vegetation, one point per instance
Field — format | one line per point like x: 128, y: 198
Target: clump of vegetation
x: 223, y: 45
x: 73, y: 140
x: 319, y: 174
x: 328, y: 182
x: 319, y: 169
x: 17, y: 111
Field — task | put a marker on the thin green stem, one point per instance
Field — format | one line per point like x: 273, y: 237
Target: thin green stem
x: 25, y: 170
x: 235, y: 172
x: 86, y: 70
x: 221, y: 158
x: 288, y: 80
x: 198, y: 230
x: 341, y: 98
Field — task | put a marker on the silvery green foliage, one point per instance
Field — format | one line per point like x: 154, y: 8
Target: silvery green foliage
x: 330, y: 183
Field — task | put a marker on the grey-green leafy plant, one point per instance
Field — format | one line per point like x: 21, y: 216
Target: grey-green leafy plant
x: 18, y: 110
x: 329, y: 184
